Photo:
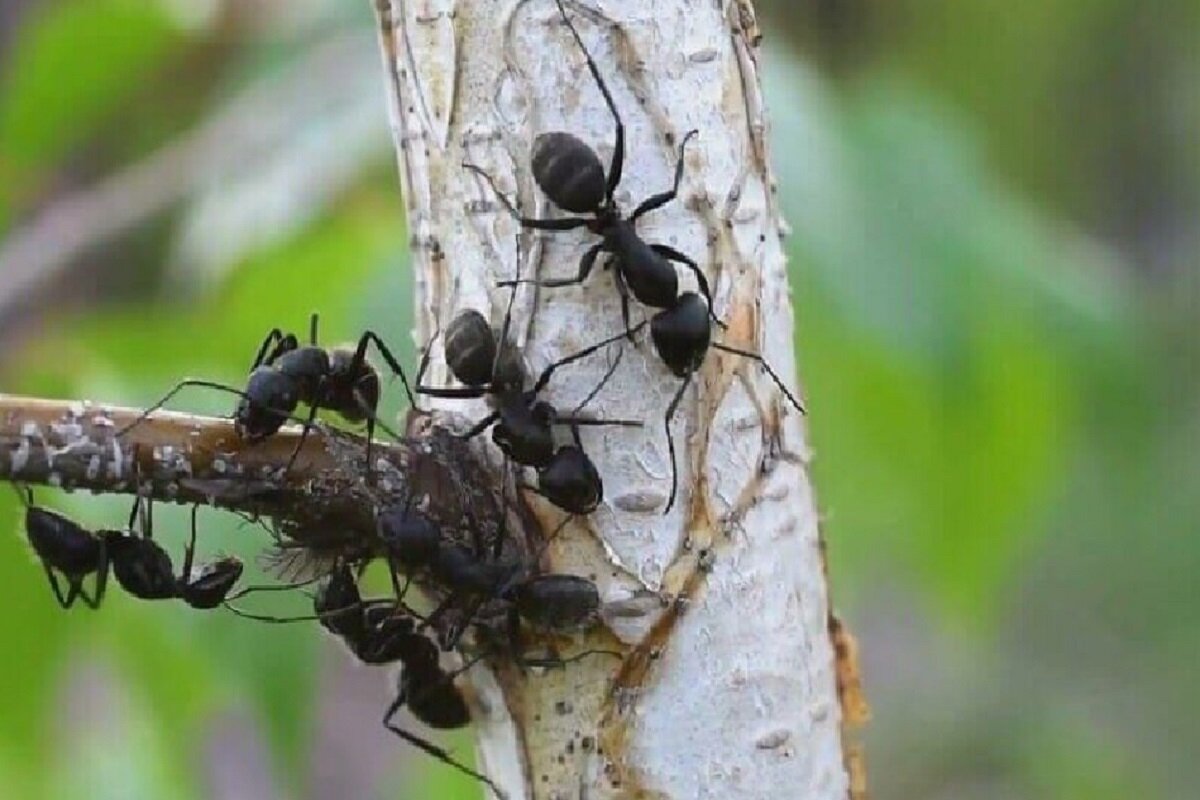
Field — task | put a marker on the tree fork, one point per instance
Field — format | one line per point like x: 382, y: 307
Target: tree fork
x: 737, y: 681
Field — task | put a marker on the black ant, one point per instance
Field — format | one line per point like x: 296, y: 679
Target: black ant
x: 383, y: 631
x: 286, y: 373
x: 522, y: 426
x: 570, y: 173
x: 140, y: 565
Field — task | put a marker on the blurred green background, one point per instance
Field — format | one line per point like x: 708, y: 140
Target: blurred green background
x: 994, y: 257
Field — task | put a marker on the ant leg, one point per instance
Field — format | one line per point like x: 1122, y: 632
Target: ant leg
x: 662, y: 198
x: 480, y: 427
x: 189, y: 552
x: 176, y: 389
x: 585, y: 268
x: 360, y: 356
x: 672, y: 254
x: 623, y: 293
x: 440, y: 753
x: 612, y: 368
x: 547, y: 663
x: 272, y: 339
x: 556, y: 224
x: 312, y: 329
x: 574, y: 421
x: 775, y: 377
x: 671, y: 442
x: 93, y: 600
x: 453, y: 392
x: 285, y: 587
x: 544, y: 378
x: 426, y: 352
x: 618, y: 156
x: 308, y: 424
x: 72, y: 591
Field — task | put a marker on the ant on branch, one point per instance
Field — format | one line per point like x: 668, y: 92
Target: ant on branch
x: 141, y: 566
x: 286, y: 373
x: 570, y: 173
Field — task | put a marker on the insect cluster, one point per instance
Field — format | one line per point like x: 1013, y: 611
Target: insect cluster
x: 488, y: 589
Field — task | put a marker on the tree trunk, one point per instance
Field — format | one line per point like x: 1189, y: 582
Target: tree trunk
x: 729, y: 684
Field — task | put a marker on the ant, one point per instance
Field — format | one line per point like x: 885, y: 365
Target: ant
x: 571, y: 175
x: 522, y: 426
x: 140, y: 565
x: 545, y: 600
x: 286, y: 373
x: 383, y: 631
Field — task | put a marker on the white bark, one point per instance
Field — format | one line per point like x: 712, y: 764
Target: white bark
x: 729, y: 687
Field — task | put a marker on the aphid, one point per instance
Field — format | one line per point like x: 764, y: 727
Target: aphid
x: 286, y: 373
x: 571, y: 175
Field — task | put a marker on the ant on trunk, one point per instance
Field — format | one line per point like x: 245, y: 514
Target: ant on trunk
x: 570, y: 173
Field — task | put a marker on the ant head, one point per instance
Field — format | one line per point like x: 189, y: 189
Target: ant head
x: 571, y: 481
x: 558, y: 602
x: 141, y: 566
x: 433, y: 698
x: 390, y: 637
x: 569, y: 172
x: 337, y: 604
x: 62, y: 543
x: 682, y: 334
x: 269, y: 399
x: 408, y: 534
x: 470, y: 346
x: 211, y: 583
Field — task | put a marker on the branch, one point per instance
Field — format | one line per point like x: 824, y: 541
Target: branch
x: 322, y: 501
x: 730, y: 685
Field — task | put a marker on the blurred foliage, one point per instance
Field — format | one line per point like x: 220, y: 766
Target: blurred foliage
x: 994, y: 260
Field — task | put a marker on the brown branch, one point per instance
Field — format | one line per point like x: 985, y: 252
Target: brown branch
x: 323, y: 501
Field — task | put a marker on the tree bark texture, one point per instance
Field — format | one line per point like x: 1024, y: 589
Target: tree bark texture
x: 733, y: 665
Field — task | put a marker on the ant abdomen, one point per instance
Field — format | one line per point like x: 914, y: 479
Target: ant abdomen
x: 568, y: 171
x: 682, y: 334
x: 470, y: 347
x: 61, y: 542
